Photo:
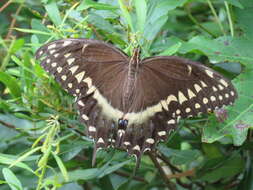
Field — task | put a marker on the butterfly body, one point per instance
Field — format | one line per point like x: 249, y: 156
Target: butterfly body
x: 131, y: 103
x: 132, y: 74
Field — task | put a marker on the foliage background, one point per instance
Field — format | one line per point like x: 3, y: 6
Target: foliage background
x: 41, y: 141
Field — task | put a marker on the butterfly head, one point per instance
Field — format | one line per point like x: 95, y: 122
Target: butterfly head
x: 122, y: 123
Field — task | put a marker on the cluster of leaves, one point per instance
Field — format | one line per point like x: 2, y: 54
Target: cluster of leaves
x: 42, y: 143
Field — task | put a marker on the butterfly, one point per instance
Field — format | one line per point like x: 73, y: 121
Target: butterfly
x: 130, y: 103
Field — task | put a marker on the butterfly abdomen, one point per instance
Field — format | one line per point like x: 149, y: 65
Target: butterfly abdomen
x: 130, y: 82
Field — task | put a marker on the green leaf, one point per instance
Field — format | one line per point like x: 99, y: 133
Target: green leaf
x: 27, y: 73
x: 211, y: 150
x: 228, y: 168
x: 33, y: 31
x: 72, y: 186
x: 53, y: 13
x: 4, y: 159
x: 240, y: 115
x: 100, y: 23
x: 18, y: 44
x: 61, y: 166
x: 92, y: 4
x: 11, y: 83
x: 69, y: 151
x: 179, y: 157
x: 141, y: 11
x: 109, y: 169
x: 24, y: 156
x: 236, y: 3
x: 2, y: 182
x: 126, y: 15
x: 11, y: 179
x: 14, y: 46
x: 247, y: 182
x: 171, y: 50
x: 244, y: 19
x: 117, y: 180
x: 86, y: 174
x: 157, y: 16
x: 231, y: 67
x: 221, y: 49
x: 38, y: 26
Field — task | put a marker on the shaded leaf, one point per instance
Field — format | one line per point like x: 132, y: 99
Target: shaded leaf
x: 179, y: 157
x: 157, y: 16
x: 61, y: 166
x: 109, y: 169
x: 11, y: 83
x: 228, y: 168
x: 86, y: 174
x: 244, y: 17
x: 53, y: 13
x: 72, y: 186
x: 141, y: 11
x: 100, y: 23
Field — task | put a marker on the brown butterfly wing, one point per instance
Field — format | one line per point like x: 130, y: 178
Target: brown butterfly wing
x: 170, y: 88
x: 165, y: 90
x: 81, y: 65
x: 94, y: 72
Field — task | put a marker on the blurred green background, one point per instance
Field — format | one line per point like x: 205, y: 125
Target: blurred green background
x: 42, y: 143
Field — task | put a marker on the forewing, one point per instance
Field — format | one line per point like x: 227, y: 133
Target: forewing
x: 94, y: 72
x: 183, y: 88
x: 81, y: 65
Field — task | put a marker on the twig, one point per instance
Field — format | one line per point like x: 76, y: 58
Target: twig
x: 163, y: 158
x: 8, y: 125
x: 123, y: 174
x: 169, y: 184
x: 188, y: 186
x: 13, y: 22
x: 182, y: 174
x: 95, y: 31
x: 86, y: 186
x: 174, y: 168
x: 191, y: 17
x: 5, y: 5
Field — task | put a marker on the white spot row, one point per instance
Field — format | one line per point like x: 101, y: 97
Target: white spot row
x: 85, y: 117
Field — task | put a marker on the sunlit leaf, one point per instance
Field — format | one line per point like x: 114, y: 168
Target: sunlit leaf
x: 11, y: 179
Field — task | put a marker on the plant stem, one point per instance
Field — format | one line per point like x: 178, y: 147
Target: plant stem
x: 13, y: 22
x: 191, y: 17
x: 216, y: 17
x: 8, y: 125
x: 169, y: 184
x: 41, y: 178
x: 231, y: 26
x: 5, y: 5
